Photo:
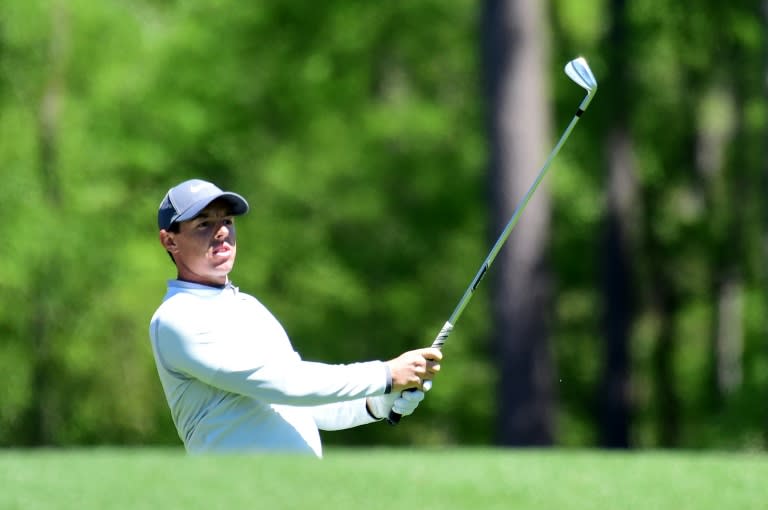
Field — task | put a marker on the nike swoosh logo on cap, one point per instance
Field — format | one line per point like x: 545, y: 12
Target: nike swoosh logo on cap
x: 196, y: 187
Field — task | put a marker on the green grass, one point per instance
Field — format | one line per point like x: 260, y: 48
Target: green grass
x: 474, y: 479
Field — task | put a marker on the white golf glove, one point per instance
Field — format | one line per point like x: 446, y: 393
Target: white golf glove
x: 404, y: 403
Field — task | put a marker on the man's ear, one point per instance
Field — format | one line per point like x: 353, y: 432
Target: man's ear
x: 168, y: 241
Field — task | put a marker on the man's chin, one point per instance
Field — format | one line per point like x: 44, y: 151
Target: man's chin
x: 224, y: 267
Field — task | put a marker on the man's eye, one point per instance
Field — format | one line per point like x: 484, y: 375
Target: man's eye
x: 203, y: 224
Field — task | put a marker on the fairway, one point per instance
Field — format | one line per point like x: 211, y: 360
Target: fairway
x: 382, y: 479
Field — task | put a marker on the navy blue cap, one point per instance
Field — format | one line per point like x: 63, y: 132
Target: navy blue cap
x: 185, y: 201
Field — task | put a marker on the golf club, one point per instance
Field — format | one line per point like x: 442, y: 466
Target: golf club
x: 577, y: 70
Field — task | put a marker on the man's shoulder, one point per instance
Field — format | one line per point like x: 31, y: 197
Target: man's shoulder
x: 177, y: 317
x: 174, y: 301
x: 175, y: 305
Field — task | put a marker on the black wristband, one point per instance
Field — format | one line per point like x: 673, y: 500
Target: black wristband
x: 368, y: 410
x: 388, y: 389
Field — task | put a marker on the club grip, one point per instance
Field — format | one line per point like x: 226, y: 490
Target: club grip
x: 394, y: 418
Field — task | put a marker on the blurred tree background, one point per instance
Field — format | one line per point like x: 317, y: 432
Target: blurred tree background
x: 364, y: 137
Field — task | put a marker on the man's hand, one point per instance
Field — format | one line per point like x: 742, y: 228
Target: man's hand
x: 411, y: 369
x: 403, y: 404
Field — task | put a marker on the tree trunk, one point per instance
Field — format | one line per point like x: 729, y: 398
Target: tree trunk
x: 515, y: 58
x: 42, y: 419
x: 764, y: 215
x: 668, y: 401
x: 729, y: 335
x: 614, y: 396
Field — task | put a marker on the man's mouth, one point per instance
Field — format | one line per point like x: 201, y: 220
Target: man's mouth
x: 222, y: 249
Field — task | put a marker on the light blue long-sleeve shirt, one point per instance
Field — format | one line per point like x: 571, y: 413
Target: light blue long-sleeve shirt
x: 234, y: 383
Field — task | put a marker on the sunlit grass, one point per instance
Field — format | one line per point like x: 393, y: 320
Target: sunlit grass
x: 382, y: 479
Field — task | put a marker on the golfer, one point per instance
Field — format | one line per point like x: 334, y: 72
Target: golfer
x: 231, y: 377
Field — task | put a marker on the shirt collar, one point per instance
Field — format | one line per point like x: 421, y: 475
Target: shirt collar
x: 175, y: 286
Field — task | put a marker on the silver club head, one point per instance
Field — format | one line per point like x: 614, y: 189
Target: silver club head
x: 578, y: 70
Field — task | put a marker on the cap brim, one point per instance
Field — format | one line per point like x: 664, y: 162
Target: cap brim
x: 238, y: 206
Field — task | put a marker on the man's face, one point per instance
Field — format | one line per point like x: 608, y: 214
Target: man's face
x: 204, y: 248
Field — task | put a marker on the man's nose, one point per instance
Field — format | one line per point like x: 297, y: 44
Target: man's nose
x: 222, y: 232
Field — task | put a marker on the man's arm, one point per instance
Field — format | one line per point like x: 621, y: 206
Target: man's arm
x: 344, y: 415
x: 191, y: 346
x: 245, y: 371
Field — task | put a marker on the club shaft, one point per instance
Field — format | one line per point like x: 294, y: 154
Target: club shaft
x: 442, y: 336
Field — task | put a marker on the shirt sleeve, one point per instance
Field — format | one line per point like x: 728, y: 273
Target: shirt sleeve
x: 190, y: 350
x: 342, y: 415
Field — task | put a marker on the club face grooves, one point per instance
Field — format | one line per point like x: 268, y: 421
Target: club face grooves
x: 578, y: 70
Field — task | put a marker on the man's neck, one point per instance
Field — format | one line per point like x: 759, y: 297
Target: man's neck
x: 207, y: 284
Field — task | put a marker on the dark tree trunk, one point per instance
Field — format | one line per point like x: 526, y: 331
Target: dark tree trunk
x: 614, y: 396
x: 668, y: 401
x: 515, y: 60
x: 764, y: 167
x: 41, y: 420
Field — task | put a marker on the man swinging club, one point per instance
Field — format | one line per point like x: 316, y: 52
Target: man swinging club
x: 229, y: 372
